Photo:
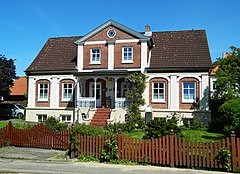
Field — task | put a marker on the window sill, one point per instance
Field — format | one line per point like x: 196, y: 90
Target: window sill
x: 159, y: 101
x: 95, y: 63
x: 66, y: 100
x: 188, y: 102
x: 125, y: 62
x: 39, y: 100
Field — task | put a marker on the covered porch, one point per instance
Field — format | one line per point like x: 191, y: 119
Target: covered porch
x: 101, y: 90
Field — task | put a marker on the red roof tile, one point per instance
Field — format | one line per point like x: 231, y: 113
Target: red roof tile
x: 19, y: 87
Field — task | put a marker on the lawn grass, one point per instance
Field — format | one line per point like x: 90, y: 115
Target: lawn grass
x: 190, y: 135
x: 201, y: 136
x: 3, y: 124
x: 135, y: 134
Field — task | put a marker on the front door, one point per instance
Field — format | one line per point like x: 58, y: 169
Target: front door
x: 98, y: 93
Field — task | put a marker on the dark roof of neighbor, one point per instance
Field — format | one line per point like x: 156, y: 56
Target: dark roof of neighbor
x: 182, y: 49
x: 172, y: 49
x: 57, y: 54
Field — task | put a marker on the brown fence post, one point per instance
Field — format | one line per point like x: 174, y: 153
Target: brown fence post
x: 72, y: 143
x: 171, y: 148
x: 9, y: 134
x: 119, y: 143
x: 233, y: 151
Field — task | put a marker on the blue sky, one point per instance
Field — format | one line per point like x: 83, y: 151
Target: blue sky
x: 25, y: 25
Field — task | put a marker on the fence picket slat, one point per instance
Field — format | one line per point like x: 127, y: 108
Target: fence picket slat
x: 180, y: 151
x: 195, y: 154
x: 156, y: 151
x: 160, y: 150
x: 188, y: 153
x: 139, y: 150
x: 184, y: 153
x: 164, y: 150
x: 211, y: 155
x: 191, y: 153
x: 143, y: 154
x: 238, y: 152
x: 176, y: 148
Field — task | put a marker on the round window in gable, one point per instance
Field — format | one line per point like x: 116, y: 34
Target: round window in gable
x: 111, y: 33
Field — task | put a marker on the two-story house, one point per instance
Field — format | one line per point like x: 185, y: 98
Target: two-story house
x: 72, y: 78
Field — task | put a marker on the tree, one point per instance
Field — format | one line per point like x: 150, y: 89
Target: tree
x: 136, y: 86
x: 228, y: 76
x: 7, y: 75
x: 230, y: 116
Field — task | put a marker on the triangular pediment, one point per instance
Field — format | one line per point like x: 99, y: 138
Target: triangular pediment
x: 114, y: 24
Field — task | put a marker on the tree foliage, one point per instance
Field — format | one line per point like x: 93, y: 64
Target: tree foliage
x: 136, y: 86
x: 228, y: 76
x: 7, y: 75
x: 230, y: 116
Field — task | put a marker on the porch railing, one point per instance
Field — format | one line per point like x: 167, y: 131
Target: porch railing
x: 121, y: 103
x: 86, y: 102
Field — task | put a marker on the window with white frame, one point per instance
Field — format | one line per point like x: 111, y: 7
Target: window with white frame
x: 43, y: 91
x: 189, y: 92
x: 66, y: 118
x: 127, y: 54
x: 158, y: 91
x: 67, y: 91
x: 95, y: 55
x: 42, y: 117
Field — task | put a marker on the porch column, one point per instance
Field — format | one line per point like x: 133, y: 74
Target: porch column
x: 95, y: 90
x: 115, y: 87
x: 77, y: 93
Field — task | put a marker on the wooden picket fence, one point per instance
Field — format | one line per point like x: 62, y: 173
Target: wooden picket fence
x: 38, y: 136
x: 166, y: 151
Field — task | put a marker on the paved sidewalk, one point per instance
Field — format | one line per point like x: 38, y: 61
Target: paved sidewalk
x: 38, y: 161
x: 31, y: 153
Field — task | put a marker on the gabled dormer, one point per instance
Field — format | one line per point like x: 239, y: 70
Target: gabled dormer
x: 112, y: 46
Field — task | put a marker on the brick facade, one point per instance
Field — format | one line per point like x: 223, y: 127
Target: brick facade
x: 102, y: 35
x: 189, y: 106
x: 158, y: 105
x: 42, y: 103
x: 66, y: 103
x: 103, y: 58
x: 136, y: 55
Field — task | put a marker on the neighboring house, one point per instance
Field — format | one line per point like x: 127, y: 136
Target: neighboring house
x: 72, y: 77
x: 18, y: 91
x: 213, y: 75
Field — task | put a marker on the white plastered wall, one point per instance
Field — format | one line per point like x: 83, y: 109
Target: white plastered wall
x: 54, y: 110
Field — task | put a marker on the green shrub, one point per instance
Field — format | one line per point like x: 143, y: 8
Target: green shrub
x: 54, y: 125
x: 90, y: 130
x: 158, y: 128
x: 113, y: 128
x: 87, y: 158
x: 230, y: 118
x: 193, y: 124
x: 223, y: 157
x: 110, y: 150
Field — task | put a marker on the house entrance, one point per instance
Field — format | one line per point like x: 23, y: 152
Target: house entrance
x: 98, y: 93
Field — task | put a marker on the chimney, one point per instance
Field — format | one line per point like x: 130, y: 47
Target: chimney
x: 147, y: 28
x: 148, y: 31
